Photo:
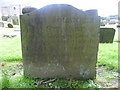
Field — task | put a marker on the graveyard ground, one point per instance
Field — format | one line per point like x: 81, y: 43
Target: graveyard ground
x: 11, y: 75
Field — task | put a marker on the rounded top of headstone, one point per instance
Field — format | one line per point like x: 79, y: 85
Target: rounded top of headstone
x: 59, y: 8
x: 56, y: 6
x: 92, y: 12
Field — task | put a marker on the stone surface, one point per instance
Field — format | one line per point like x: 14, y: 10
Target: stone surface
x: 60, y: 40
x: 107, y: 35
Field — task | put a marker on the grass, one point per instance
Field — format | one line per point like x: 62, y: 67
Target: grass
x: 23, y: 82
x: 10, y: 49
x: 20, y: 81
x: 108, y: 56
x: 12, y: 77
x: 12, y: 69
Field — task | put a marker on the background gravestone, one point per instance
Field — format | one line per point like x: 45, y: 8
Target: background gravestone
x: 107, y: 35
x: 15, y: 20
x: 1, y: 24
x: 60, y: 40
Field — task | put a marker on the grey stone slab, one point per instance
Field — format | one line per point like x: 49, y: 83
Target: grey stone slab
x: 107, y: 35
x: 60, y: 40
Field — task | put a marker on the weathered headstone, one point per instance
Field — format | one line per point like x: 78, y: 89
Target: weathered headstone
x: 60, y: 40
x: 107, y: 35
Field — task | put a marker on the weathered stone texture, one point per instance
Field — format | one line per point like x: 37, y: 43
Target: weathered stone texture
x: 60, y: 41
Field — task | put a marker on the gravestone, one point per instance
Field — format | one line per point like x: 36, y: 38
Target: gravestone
x: 107, y: 35
x: 1, y: 24
x: 60, y: 40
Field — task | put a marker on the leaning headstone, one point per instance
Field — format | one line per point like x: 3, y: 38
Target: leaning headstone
x: 60, y: 40
x: 107, y: 35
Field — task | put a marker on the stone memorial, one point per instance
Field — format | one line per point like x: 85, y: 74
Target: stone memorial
x: 107, y: 35
x: 60, y: 41
x: 1, y: 24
